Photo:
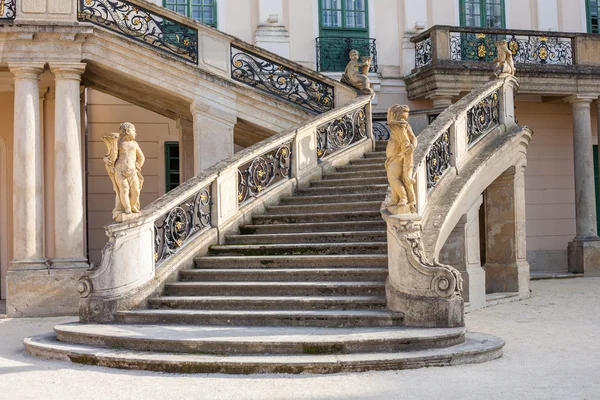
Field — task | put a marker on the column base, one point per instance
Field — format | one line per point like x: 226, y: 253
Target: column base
x: 42, y: 293
x: 69, y: 263
x: 426, y: 312
x: 503, y: 278
x: 474, y: 287
x: 28, y: 265
x: 584, y: 256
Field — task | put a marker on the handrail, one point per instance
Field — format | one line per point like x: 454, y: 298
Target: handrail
x: 499, y: 31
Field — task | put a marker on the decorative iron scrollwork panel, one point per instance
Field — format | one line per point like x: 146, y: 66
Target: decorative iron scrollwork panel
x: 177, y: 227
x: 483, y: 117
x: 423, y: 53
x: 137, y: 23
x: 525, y: 49
x: 264, y: 171
x: 288, y: 84
x: 341, y: 132
x: 333, y: 52
x: 8, y: 10
x: 438, y: 160
x: 381, y: 130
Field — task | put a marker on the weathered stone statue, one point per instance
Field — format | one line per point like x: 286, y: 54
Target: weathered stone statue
x: 399, y: 160
x: 503, y: 63
x: 123, y: 163
x: 356, y: 72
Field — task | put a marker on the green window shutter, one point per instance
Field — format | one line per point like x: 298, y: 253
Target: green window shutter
x: 172, y: 177
x: 204, y: 11
x: 593, y: 14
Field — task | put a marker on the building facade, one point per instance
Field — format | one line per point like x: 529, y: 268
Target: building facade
x: 427, y: 54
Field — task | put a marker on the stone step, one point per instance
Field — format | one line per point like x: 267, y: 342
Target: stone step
x: 477, y: 348
x: 263, y: 340
x: 369, y: 161
x: 312, y: 237
x: 379, y: 173
x: 269, y: 302
x: 316, y: 217
x: 333, y: 198
x: 323, y: 318
x: 349, y: 182
x: 349, y: 189
x: 380, y: 145
x: 325, y: 207
x: 375, y: 154
x: 299, y: 249
x: 283, y: 274
x: 360, y: 168
x: 304, y: 261
x: 314, y: 227
x: 248, y: 288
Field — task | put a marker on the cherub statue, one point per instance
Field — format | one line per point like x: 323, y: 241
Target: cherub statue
x: 399, y: 160
x: 503, y: 63
x: 355, y: 73
x: 123, y: 163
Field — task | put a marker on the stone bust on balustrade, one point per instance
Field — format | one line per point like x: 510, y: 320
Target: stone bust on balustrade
x: 356, y: 72
x: 123, y: 163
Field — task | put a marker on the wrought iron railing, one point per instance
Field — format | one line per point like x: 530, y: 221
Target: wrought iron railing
x: 332, y: 52
x: 263, y: 172
x: 341, y: 132
x: 381, y: 130
x: 181, y: 224
x: 280, y: 80
x: 423, y: 53
x: 8, y: 10
x: 138, y: 23
x: 438, y: 159
x: 483, y: 117
x: 526, y: 49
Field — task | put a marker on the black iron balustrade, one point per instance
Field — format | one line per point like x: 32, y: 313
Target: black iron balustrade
x: 333, y: 52
x: 438, y: 159
x: 8, y: 10
x: 182, y: 223
x: 381, y: 130
x: 138, y: 23
x: 282, y: 81
x: 257, y: 175
x: 423, y: 52
x: 483, y: 117
x: 341, y: 132
x: 526, y: 49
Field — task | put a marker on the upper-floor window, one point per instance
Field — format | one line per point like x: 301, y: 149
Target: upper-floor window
x: 482, y: 13
x: 204, y: 11
x: 593, y: 11
x: 344, y: 14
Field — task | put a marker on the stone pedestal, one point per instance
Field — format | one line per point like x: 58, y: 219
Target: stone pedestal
x: 506, y: 266
x: 69, y: 214
x: 213, y: 134
x: 461, y: 251
x: 271, y: 34
x: 427, y: 293
x: 584, y: 249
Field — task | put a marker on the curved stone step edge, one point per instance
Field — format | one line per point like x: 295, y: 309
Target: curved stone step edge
x: 304, y: 261
x: 478, y: 348
x: 297, y: 341
x: 309, y: 227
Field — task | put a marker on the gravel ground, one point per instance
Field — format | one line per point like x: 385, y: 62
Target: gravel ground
x: 552, y: 352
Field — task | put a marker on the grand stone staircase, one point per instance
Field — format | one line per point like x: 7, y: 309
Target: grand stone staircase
x: 301, y: 289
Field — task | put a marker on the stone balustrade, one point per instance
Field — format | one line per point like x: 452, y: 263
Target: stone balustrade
x: 144, y: 251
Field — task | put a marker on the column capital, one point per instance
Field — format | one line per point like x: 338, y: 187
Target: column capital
x: 581, y: 100
x: 71, y: 71
x: 26, y: 70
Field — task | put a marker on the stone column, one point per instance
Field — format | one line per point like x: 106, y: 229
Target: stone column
x: 69, y: 214
x: 584, y: 250
x: 213, y: 134
x: 506, y: 267
x: 185, y: 131
x: 461, y: 251
x: 27, y: 169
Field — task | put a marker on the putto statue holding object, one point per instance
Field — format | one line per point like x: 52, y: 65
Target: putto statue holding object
x: 399, y: 160
x: 503, y: 63
x: 356, y: 72
x: 123, y: 163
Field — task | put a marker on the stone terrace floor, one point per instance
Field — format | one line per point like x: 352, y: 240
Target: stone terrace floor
x: 552, y: 352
